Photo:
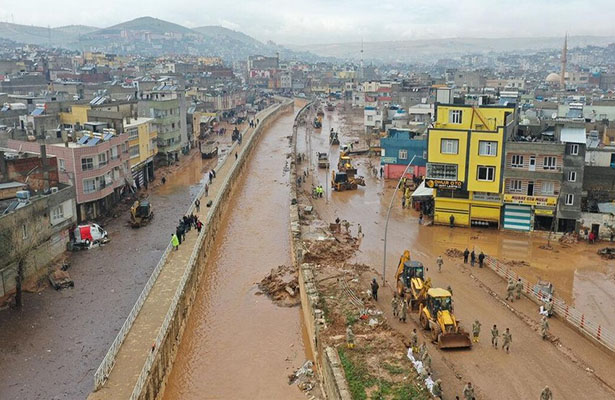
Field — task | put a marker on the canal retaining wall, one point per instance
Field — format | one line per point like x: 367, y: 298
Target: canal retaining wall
x: 150, y: 384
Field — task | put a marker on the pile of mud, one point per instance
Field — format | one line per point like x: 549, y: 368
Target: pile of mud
x: 281, y: 286
x: 516, y: 263
x: 607, y: 253
x: 454, y: 253
x: 569, y: 238
x: 330, y: 251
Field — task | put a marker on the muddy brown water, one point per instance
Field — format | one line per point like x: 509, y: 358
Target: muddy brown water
x: 237, y: 344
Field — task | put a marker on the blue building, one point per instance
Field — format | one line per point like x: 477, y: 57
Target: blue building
x: 398, y: 148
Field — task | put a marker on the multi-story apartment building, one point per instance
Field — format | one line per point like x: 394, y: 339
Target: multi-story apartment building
x: 142, y: 148
x: 465, y: 162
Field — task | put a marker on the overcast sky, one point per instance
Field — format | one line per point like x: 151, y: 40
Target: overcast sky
x: 334, y: 21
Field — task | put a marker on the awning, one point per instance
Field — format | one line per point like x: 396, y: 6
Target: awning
x: 422, y: 191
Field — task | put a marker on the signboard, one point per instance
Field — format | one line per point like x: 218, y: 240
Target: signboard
x: 484, y: 196
x: 389, y: 160
x: 539, y: 211
x: 443, y: 184
x: 530, y: 200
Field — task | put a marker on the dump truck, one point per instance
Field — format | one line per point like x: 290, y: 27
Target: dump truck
x: 436, y: 315
x: 323, y: 160
x: 141, y: 213
x: 341, y: 181
x: 411, y: 283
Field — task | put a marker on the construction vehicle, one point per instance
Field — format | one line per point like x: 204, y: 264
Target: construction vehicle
x: 330, y: 106
x: 208, y: 149
x: 323, y: 160
x: 140, y: 213
x: 317, y: 122
x: 436, y: 314
x: 345, y: 165
x: 411, y: 283
x: 341, y: 181
x: 333, y: 140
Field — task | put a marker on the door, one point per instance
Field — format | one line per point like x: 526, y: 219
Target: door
x: 530, y: 188
x: 532, y: 163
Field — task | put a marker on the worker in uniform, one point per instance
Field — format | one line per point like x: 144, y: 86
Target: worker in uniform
x: 475, y: 331
x: 174, y: 241
x: 519, y: 287
x: 404, y: 311
x: 375, y: 287
x: 495, y: 334
x: 349, y: 337
x: 360, y: 231
x: 544, y: 327
x: 510, y: 290
x: 395, y: 305
x: 546, y: 394
x: 426, y: 361
x: 507, y: 338
x: 468, y: 391
x: 414, y: 340
x: 472, y: 258
x: 549, y: 308
x: 437, y: 389
x: 439, y: 262
x: 422, y: 350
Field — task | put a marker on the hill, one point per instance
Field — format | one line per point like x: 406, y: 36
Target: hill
x: 149, y: 24
x: 76, y: 29
x: 35, y: 35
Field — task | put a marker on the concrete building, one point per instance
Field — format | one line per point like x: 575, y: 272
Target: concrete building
x: 569, y: 206
x: 399, y: 148
x: 142, y: 148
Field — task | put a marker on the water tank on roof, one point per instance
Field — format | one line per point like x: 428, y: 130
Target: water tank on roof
x: 23, y: 195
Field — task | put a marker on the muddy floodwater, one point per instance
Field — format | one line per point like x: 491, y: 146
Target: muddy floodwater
x: 237, y: 344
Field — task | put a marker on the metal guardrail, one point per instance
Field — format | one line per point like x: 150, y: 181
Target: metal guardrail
x: 568, y: 313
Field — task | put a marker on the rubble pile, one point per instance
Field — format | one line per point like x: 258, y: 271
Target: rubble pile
x: 281, y: 286
x: 454, y: 253
x: 569, y: 238
x: 607, y: 253
x: 330, y: 251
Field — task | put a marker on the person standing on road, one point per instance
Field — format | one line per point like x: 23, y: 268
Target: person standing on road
x: 381, y: 172
x: 360, y: 231
x: 544, y: 327
x: 349, y: 337
x: 439, y: 261
x: 197, y: 205
x: 472, y: 258
x: 178, y: 233
x: 395, y: 305
x: 437, y: 389
x: 426, y: 361
x: 174, y: 241
x: 507, y: 338
x: 510, y: 288
x: 519, y: 287
x: 199, y: 226
x: 414, y: 341
x: 475, y: 331
x: 481, y: 259
x: 468, y: 392
x: 451, y: 220
x: 206, y: 190
x: 546, y: 394
x: 404, y: 311
x: 375, y: 288
x: 466, y: 253
x: 495, y: 334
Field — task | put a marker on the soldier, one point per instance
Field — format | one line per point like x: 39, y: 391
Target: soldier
x: 475, y: 331
x: 546, y: 394
x: 437, y: 389
x: 414, y: 340
x: 349, y: 337
x: 519, y: 288
x: 509, y: 290
x: 422, y: 350
x: 507, y: 337
x: 439, y: 261
x: 426, y: 361
x: 450, y: 289
x: 395, y: 305
x: 468, y: 391
x: 549, y: 308
x: 404, y: 311
x: 544, y: 327
x: 495, y: 334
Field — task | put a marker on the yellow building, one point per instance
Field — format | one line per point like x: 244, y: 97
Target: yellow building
x: 76, y: 116
x: 465, y: 162
x: 142, y: 146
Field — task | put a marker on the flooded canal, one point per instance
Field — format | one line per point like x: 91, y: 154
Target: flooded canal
x: 237, y: 344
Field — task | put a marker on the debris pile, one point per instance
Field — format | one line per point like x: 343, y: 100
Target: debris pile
x: 569, y: 238
x: 516, y: 263
x: 454, y: 253
x: 281, y: 286
x: 607, y: 253
x: 330, y: 251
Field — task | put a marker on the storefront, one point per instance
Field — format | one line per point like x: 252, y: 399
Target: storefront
x: 485, y: 209
x: 517, y: 217
x: 526, y: 213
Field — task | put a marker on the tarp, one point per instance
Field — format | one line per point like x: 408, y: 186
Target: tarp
x: 422, y: 191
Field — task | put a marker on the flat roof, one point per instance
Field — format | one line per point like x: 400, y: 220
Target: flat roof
x: 137, y: 121
x: 11, y: 185
x: 573, y: 135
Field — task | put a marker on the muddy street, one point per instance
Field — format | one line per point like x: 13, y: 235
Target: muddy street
x: 237, y: 344
x: 60, y: 337
x: 532, y: 363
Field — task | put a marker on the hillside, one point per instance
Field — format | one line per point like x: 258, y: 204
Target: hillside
x: 213, y: 31
x: 35, y: 35
x: 76, y: 29
x: 150, y: 24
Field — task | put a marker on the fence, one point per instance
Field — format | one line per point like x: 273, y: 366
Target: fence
x: 568, y: 313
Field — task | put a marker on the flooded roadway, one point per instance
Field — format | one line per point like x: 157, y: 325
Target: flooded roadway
x: 238, y: 344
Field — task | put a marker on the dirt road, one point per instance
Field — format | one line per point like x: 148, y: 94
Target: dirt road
x: 533, y: 363
x: 237, y: 343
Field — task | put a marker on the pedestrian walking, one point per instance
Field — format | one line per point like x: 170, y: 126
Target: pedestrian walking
x: 468, y: 392
x: 472, y: 258
x: 199, y: 226
x: 439, y: 261
x: 164, y: 180
x: 546, y: 394
x: 174, y: 241
x: 375, y: 287
x: 450, y: 289
x: 519, y: 287
x: 395, y: 305
x: 426, y: 361
x: 507, y: 340
x: 475, y: 331
x: 437, y: 389
x: 414, y: 341
x: 421, y: 219
x: 359, y: 231
x: 481, y: 259
x: 381, y: 172
x: 466, y: 253
x: 403, y: 313
x: 403, y: 202
x: 495, y: 334
x: 206, y: 190
x: 349, y: 337
x: 544, y: 327
x: 510, y: 288
x: 211, y: 176
x: 197, y: 205
x: 213, y: 171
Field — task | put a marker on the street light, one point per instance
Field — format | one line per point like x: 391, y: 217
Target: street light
x: 386, y: 225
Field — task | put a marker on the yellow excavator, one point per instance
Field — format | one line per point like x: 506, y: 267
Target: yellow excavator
x: 341, y: 181
x: 140, y: 213
x: 345, y: 165
x: 411, y: 283
x: 436, y: 314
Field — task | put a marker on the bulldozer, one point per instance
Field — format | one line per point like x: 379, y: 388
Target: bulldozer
x: 411, y: 283
x: 341, y: 181
x: 141, y: 213
x: 436, y: 314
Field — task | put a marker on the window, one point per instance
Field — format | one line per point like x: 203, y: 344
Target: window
x: 102, y: 159
x: 57, y: 213
x: 449, y: 146
x: 455, y: 116
x: 517, y: 161
x: 569, y: 199
x: 487, y: 148
x: 442, y: 171
x: 133, y: 133
x: 516, y: 186
x: 87, y: 164
x: 549, y: 163
x: 572, y: 176
x: 547, y: 188
x: 403, y: 154
x: 486, y: 173
x: 24, y: 231
x: 134, y: 151
x: 573, y: 149
x: 370, y: 118
x: 89, y: 185
x: 61, y: 165
x: 114, y: 153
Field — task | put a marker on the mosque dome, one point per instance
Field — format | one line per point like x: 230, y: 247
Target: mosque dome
x: 552, y: 78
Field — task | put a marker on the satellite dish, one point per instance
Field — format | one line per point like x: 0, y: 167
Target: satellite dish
x: 554, y: 115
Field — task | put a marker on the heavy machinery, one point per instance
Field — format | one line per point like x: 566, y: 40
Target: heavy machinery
x: 140, y: 213
x: 317, y: 122
x: 411, y: 283
x: 333, y: 139
x: 436, y: 314
x: 345, y: 165
x: 323, y: 160
x: 341, y: 181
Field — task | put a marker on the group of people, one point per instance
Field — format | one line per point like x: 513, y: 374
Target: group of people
x: 400, y: 308
x: 472, y: 256
x: 253, y: 124
x: 186, y: 223
x: 318, y: 191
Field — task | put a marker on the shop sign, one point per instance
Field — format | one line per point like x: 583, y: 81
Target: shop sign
x: 388, y: 160
x: 539, y: 211
x: 443, y: 184
x: 530, y: 200
x: 484, y: 196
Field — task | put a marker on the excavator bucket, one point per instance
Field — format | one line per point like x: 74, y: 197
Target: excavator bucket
x: 454, y: 341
